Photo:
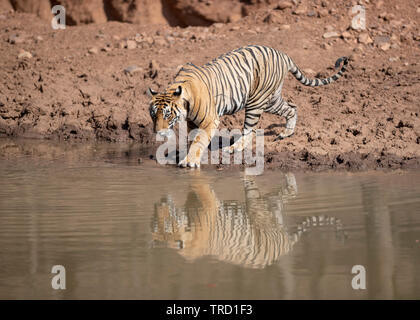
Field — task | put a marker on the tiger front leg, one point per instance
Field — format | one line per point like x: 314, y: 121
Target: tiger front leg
x: 199, y: 144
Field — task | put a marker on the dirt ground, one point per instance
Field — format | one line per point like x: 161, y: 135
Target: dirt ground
x: 88, y: 82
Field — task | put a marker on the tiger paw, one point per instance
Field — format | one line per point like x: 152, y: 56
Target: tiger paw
x: 192, y: 163
x: 286, y: 134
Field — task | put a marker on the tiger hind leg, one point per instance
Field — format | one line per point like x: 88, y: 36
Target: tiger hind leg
x: 252, y: 116
x: 289, y: 111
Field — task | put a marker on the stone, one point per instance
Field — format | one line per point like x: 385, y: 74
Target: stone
x: 385, y: 46
x: 234, y: 17
x: 284, y: 27
x: 93, y: 50
x: 24, y: 55
x: 330, y: 34
x: 273, y: 18
x: 282, y: 5
x: 300, y: 10
x: 364, y: 38
x: 346, y: 35
x: 131, y: 44
x: 381, y: 40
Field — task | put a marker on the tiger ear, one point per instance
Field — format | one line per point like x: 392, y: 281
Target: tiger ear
x: 151, y: 92
x: 178, y: 91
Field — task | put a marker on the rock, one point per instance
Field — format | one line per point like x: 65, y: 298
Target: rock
x: 234, y: 17
x: 132, y: 70
x: 5, y: 6
x: 300, y: 10
x: 235, y: 28
x: 24, y: 55
x: 346, y: 35
x: 131, y: 44
x: 93, y: 50
x: 385, y: 46
x: 381, y: 40
x: 284, y: 27
x: 282, y: 5
x: 160, y: 42
x: 364, y: 38
x: 273, y: 18
x: 329, y: 28
x: 81, y: 12
x: 202, y: 13
x: 42, y: 8
x: 330, y: 34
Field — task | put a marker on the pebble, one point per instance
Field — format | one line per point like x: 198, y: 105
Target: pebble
x: 284, y: 27
x: 93, y: 50
x: 364, y: 38
x: 330, y: 34
x: 24, y: 55
x: 385, y: 46
x: 284, y: 5
x: 273, y: 17
x: 381, y: 39
x: 300, y: 10
x: 131, y: 44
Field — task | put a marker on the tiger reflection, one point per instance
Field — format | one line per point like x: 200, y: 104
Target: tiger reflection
x: 250, y: 234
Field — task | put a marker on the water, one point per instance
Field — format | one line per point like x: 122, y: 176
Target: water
x: 124, y: 229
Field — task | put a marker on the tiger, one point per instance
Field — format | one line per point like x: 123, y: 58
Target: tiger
x: 251, y: 234
x: 249, y: 78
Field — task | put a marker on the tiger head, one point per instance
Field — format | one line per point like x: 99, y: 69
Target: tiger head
x: 166, y: 109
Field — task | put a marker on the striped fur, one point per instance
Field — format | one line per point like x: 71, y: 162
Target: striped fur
x: 249, y: 78
x: 251, y: 233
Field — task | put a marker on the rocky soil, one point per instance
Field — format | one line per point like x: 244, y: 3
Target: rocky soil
x: 89, y: 81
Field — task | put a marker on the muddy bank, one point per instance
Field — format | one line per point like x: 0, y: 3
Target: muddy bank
x: 88, y: 83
